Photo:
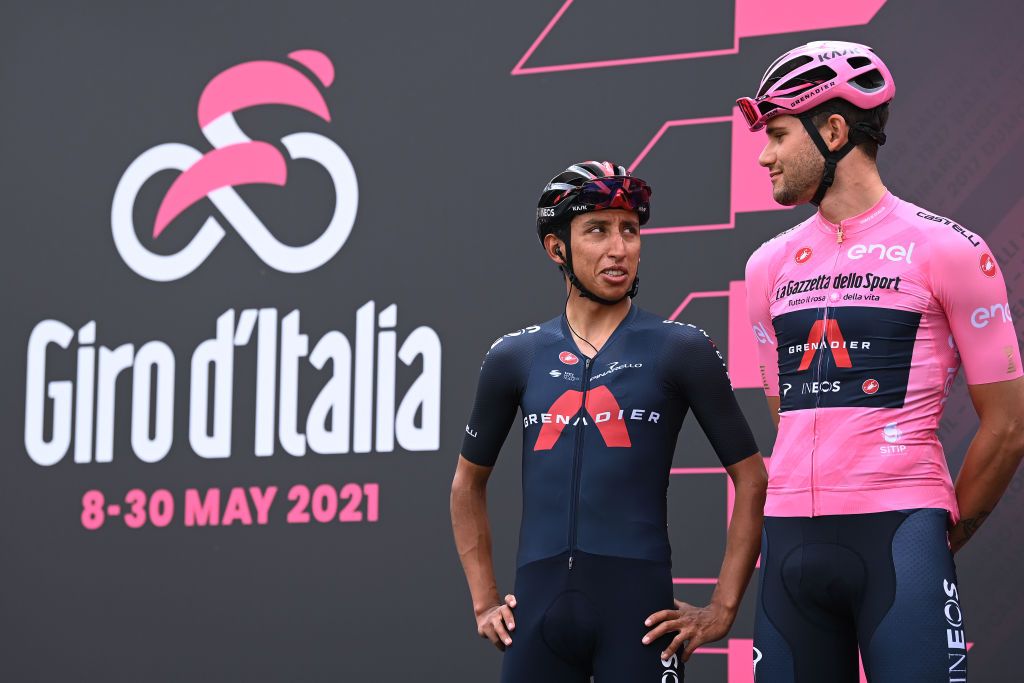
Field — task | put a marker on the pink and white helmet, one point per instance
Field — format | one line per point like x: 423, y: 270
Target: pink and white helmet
x: 805, y: 77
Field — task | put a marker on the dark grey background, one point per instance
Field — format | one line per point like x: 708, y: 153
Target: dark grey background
x: 450, y: 151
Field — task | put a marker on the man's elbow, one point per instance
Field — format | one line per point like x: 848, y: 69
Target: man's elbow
x: 461, y: 498
x: 1016, y: 438
x: 1009, y: 433
x: 759, y: 486
x: 753, y: 479
x: 469, y: 480
x: 461, y: 485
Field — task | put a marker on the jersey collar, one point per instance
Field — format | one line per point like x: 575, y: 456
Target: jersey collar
x: 614, y: 335
x: 876, y: 214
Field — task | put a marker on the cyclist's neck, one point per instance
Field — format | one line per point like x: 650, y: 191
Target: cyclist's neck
x: 857, y: 188
x: 594, y: 322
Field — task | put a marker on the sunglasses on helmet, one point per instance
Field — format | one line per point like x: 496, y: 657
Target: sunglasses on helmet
x: 614, y: 192
x: 757, y: 112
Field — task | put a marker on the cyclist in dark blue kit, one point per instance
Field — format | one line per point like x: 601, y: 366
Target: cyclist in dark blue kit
x: 603, y: 390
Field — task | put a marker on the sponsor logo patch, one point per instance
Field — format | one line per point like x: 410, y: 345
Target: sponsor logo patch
x: 988, y: 265
x: 568, y: 357
x: 896, y: 253
x: 981, y: 317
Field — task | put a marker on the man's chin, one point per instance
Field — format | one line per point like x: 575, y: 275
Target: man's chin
x: 610, y: 293
x: 787, y: 198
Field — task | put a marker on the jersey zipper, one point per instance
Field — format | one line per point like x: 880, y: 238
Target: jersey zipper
x: 817, y: 401
x: 577, y: 465
x: 818, y: 376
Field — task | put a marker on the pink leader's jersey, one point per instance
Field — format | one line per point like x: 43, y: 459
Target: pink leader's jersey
x: 861, y: 329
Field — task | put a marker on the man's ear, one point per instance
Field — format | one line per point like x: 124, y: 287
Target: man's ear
x: 836, y: 132
x: 555, y: 248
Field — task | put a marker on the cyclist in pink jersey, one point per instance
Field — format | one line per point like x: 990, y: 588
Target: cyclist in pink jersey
x: 863, y: 315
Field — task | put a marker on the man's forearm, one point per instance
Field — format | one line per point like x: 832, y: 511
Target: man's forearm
x: 990, y: 464
x: 743, y: 543
x: 471, y: 527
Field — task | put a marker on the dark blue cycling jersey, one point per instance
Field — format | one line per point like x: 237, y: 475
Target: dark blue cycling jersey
x: 599, y: 433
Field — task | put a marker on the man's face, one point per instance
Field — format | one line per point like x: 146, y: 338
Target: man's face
x: 794, y: 163
x: 606, y: 251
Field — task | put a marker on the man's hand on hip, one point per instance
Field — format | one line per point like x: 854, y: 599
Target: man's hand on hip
x: 495, y: 623
x: 696, y: 626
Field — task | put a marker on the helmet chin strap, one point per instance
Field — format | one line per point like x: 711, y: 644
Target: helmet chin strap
x: 832, y: 158
x: 586, y: 293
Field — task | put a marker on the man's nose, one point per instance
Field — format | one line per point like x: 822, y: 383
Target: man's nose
x: 767, y: 156
x: 617, y: 245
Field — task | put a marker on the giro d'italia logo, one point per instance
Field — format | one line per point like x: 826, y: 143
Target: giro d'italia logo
x: 237, y: 160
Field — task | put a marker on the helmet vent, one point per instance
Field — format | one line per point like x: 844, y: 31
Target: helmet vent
x: 777, y: 75
x: 869, y: 82
x: 858, y: 62
x: 815, y: 76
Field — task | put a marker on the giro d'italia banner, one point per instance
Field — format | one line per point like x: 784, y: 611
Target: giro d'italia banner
x: 255, y: 251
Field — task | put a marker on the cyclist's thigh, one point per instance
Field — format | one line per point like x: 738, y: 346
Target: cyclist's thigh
x: 627, y: 592
x: 797, y: 639
x: 920, y: 635
x: 530, y: 659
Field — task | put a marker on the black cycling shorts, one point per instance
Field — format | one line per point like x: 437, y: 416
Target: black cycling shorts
x: 882, y: 583
x: 572, y: 624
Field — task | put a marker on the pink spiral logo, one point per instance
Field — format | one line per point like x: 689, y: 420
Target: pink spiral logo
x: 237, y: 160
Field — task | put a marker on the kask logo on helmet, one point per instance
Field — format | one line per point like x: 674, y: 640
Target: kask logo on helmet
x: 851, y: 50
x: 238, y: 160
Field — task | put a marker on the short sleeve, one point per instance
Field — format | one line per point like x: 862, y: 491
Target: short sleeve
x: 497, y: 400
x: 968, y: 284
x: 759, y: 313
x: 698, y: 370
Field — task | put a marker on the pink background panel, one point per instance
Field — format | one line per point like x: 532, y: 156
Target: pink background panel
x: 753, y: 18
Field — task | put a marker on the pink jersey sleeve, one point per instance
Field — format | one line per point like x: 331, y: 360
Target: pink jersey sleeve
x: 758, y: 302
x: 969, y: 285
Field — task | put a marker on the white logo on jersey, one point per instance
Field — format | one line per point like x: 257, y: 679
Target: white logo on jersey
x: 670, y: 673
x: 528, y: 330
x: 956, y: 641
x: 820, y: 387
x: 981, y: 316
x: 892, y: 434
x: 761, y: 334
x: 895, y: 253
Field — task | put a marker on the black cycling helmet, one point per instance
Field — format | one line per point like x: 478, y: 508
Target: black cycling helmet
x: 584, y: 187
